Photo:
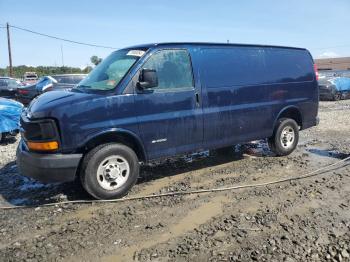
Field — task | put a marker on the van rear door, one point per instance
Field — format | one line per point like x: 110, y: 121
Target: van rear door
x: 170, y: 114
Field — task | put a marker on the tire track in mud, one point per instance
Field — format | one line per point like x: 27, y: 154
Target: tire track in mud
x: 275, y: 214
x: 206, y: 177
x: 156, y: 186
x: 192, y: 220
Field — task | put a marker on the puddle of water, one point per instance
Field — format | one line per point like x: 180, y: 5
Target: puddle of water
x: 195, y: 156
x: 32, y: 185
x: 18, y: 201
x: 257, y: 148
x: 81, y: 214
x: 198, y: 216
x: 191, y: 221
x: 24, y: 183
x: 327, y: 153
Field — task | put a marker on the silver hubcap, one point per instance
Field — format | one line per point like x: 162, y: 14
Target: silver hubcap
x: 287, y: 137
x: 113, y: 172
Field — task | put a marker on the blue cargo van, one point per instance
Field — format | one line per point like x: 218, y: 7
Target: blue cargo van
x: 159, y: 100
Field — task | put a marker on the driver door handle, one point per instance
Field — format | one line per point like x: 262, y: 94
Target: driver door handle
x: 197, y: 100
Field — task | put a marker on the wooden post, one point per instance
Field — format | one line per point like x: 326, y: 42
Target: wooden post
x: 9, y: 48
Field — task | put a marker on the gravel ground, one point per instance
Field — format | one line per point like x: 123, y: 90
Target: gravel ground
x: 304, y: 220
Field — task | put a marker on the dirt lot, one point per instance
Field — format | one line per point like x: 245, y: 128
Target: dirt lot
x: 305, y: 220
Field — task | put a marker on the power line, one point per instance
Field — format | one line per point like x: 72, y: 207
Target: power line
x: 109, y: 47
x: 62, y: 39
x: 330, y: 63
x: 321, y: 48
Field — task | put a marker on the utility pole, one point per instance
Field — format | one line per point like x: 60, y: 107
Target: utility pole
x: 9, y: 48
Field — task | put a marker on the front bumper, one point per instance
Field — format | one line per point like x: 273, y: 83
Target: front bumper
x: 47, y: 168
x: 327, y: 93
x: 326, y: 96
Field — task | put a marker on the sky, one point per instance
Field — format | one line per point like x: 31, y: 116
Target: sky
x: 321, y: 26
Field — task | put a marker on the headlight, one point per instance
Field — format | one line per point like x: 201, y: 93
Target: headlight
x: 40, y: 135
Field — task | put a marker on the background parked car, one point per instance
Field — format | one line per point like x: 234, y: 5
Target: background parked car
x: 10, y: 112
x: 8, y: 87
x: 30, y: 78
x: 334, y: 88
x: 48, y: 83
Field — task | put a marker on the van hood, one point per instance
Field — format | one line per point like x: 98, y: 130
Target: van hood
x: 46, y: 104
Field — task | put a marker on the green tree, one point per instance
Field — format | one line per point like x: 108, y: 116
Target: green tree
x: 87, y: 69
x: 95, y: 60
x: 18, y: 71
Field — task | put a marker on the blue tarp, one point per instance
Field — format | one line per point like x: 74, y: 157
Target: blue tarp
x: 10, y: 112
x: 341, y: 83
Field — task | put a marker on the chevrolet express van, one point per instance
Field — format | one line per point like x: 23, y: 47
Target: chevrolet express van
x: 159, y: 100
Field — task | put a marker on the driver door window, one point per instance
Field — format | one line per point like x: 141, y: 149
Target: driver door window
x: 173, y: 69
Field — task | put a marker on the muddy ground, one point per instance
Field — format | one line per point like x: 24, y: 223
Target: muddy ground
x: 305, y: 220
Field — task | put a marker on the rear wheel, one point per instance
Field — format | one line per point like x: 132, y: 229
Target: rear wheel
x: 109, y: 171
x: 285, y: 137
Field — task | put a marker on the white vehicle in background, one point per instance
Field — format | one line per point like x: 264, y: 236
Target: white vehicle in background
x: 30, y: 77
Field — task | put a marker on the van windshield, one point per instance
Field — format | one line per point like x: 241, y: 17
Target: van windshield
x: 107, y: 74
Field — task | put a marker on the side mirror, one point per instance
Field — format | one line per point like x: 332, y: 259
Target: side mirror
x: 148, y: 78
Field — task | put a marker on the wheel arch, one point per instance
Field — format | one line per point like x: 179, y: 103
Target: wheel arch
x: 122, y: 136
x: 290, y: 112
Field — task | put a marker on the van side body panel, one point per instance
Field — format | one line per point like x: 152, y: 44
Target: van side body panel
x: 246, y: 89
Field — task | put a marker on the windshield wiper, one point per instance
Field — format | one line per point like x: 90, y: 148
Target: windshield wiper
x: 76, y: 90
x: 83, y: 86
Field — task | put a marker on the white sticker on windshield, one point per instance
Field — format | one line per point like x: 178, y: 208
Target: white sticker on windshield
x: 136, y: 52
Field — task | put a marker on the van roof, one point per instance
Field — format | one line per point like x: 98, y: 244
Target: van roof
x: 147, y: 46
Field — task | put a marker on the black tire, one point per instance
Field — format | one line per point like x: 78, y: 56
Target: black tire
x: 2, y: 136
x: 275, y: 143
x: 92, y: 161
x: 337, y: 96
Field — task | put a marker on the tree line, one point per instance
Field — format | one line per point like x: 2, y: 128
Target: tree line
x: 18, y: 71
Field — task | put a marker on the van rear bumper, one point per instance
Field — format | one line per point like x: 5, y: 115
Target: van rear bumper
x: 47, y: 168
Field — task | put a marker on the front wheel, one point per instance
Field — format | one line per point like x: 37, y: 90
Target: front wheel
x: 337, y: 96
x: 109, y: 171
x: 285, y: 137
